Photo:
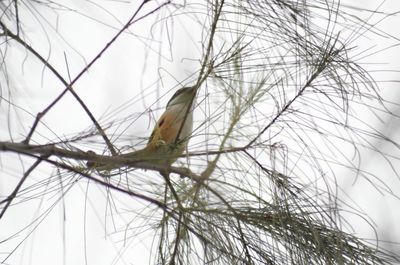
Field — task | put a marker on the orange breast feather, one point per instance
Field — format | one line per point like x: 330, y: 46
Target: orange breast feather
x: 165, y: 130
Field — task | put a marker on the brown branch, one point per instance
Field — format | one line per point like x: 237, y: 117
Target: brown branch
x: 108, y: 185
x: 35, y: 151
x: 161, y: 205
x: 119, y: 160
x: 46, y: 151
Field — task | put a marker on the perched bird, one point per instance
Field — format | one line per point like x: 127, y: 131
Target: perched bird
x: 170, y: 135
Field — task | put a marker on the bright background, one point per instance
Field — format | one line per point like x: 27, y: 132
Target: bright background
x: 81, y: 227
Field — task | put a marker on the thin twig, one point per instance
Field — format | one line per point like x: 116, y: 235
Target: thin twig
x: 69, y: 86
x: 202, y: 78
x: 11, y: 197
x: 319, y: 69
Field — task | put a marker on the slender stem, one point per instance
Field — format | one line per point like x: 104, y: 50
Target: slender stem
x: 11, y: 197
x: 202, y: 77
x: 69, y: 85
x: 319, y: 69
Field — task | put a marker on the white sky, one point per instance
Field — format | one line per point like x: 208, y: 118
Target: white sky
x: 117, y: 77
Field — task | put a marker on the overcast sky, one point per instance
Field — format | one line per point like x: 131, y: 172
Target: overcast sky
x: 124, y: 81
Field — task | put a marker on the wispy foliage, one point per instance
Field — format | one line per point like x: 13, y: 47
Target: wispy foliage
x: 279, y: 125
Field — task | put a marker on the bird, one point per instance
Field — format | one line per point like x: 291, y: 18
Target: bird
x: 170, y: 135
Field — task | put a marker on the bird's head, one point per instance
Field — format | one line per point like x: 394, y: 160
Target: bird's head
x: 182, y: 96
